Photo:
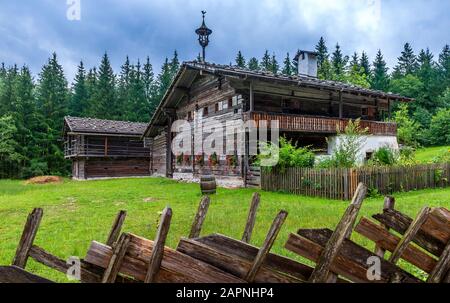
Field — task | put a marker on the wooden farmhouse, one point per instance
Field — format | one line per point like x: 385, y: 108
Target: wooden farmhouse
x: 309, y: 111
x: 105, y: 149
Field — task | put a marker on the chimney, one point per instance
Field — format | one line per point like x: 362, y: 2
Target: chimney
x: 307, y: 63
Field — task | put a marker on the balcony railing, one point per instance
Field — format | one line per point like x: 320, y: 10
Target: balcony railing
x: 311, y: 124
x: 99, y: 150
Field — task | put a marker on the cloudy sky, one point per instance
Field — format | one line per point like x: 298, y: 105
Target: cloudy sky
x: 31, y: 29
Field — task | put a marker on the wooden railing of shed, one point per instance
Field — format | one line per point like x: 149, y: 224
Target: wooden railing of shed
x: 289, y: 122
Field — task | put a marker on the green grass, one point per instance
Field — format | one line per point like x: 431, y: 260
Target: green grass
x: 426, y: 155
x: 75, y: 213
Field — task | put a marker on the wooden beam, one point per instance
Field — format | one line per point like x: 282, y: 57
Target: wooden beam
x: 175, y: 268
x: 410, y: 234
x: 115, y: 262
x: 442, y: 267
x: 341, y: 106
x: 341, y: 232
x: 389, y: 203
x: 106, y: 146
x: 252, y: 98
x: 158, y: 248
x: 387, y: 241
x: 27, y: 239
x: 200, y: 217
x: 14, y: 274
x: 116, y: 228
x: 268, y: 243
x: 251, y: 218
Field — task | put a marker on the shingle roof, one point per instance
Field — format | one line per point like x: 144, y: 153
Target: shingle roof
x: 300, y: 80
x: 92, y: 125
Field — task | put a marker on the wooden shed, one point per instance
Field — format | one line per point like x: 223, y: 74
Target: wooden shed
x: 105, y: 148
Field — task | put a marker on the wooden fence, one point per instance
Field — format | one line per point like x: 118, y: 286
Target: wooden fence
x: 341, y: 183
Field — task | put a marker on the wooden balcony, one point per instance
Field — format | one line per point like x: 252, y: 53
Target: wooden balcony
x: 326, y: 125
x: 98, y: 150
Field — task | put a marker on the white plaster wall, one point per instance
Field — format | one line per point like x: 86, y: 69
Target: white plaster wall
x: 371, y: 144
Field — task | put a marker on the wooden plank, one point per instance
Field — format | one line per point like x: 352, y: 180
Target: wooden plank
x: 424, y: 238
x: 442, y: 267
x: 115, y: 262
x: 160, y: 242
x: 251, y: 218
x: 239, y: 249
x: 200, y: 217
x: 267, y: 245
x: 410, y: 234
x: 341, y: 232
x: 351, y: 262
x: 175, y: 266
x: 116, y: 228
x: 388, y: 241
x: 28, y: 236
x: 14, y: 274
x: 389, y: 203
x: 232, y: 262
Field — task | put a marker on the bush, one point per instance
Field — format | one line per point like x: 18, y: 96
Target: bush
x: 289, y: 155
x: 350, y: 144
x: 408, y: 130
x: 385, y: 156
x: 442, y: 158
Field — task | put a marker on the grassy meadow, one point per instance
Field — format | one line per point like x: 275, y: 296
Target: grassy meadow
x: 75, y: 213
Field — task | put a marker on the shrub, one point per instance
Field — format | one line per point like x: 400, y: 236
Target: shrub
x: 289, y: 155
x: 408, y: 130
x: 439, y: 132
x: 350, y: 144
x: 385, y: 156
x: 442, y: 158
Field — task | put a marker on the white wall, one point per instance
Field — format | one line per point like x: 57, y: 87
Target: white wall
x: 371, y: 144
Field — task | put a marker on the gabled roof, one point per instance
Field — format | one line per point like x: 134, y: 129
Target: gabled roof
x: 189, y: 70
x: 99, y: 126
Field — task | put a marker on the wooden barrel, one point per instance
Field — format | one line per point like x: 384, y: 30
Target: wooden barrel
x: 208, y: 184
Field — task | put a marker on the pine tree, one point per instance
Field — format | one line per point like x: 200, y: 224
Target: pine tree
x: 338, y: 63
x: 91, y: 88
x: 253, y: 64
x: 79, y: 99
x: 275, y: 67
x: 444, y: 69
x: 149, y: 88
x: 174, y: 65
x: 123, y: 88
x: 427, y: 73
x: 380, y: 79
x: 8, y: 94
x: 53, y: 99
x: 355, y: 60
x: 287, y: 67
x: 164, y: 79
x: 240, y: 60
x: 137, y: 109
x: 105, y: 102
x: 266, y: 62
x: 322, y: 52
x: 407, y: 63
x: 365, y: 64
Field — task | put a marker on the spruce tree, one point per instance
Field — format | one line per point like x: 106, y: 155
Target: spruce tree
x: 53, y: 99
x: 174, y: 65
x: 266, y: 62
x: 338, y: 63
x: 137, y: 109
x: 164, y: 79
x: 79, y: 99
x: 123, y: 88
x: 322, y: 52
x: 253, y: 64
x: 149, y: 88
x: 444, y: 69
x: 355, y: 60
x: 407, y: 63
x: 105, y: 94
x: 428, y: 75
x: 380, y: 79
x: 365, y: 64
x: 287, y: 66
x: 91, y: 89
x: 240, y: 60
x: 275, y: 67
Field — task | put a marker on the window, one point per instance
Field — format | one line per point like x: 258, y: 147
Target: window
x: 189, y: 116
x: 216, y: 107
x: 364, y: 111
x: 235, y: 100
x: 230, y: 102
x: 205, y: 111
